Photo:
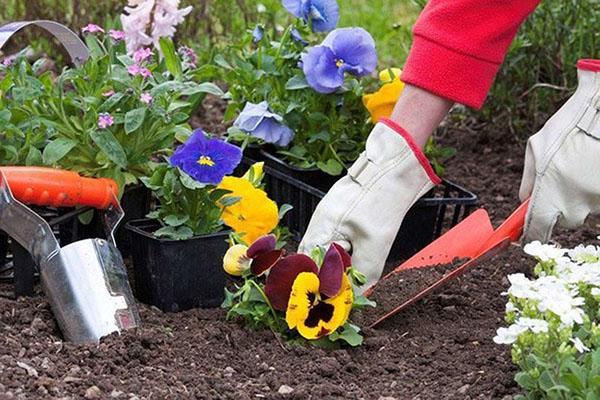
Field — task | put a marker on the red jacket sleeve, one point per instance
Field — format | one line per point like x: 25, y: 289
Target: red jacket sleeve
x: 459, y: 46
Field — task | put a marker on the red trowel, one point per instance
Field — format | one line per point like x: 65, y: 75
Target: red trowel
x: 474, y: 240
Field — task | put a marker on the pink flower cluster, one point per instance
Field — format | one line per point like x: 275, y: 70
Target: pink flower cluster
x: 146, y: 21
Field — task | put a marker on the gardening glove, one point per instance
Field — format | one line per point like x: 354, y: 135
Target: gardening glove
x: 363, y: 210
x: 562, y: 162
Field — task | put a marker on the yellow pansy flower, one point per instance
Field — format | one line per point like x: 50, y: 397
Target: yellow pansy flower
x: 313, y: 316
x: 381, y: 103
x: 254, y: 214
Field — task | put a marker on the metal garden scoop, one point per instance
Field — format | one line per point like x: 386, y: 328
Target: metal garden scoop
x: 474, y: 240
x: 86, y: 281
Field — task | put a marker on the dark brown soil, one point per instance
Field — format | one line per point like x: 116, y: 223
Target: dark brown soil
x: 439, y: 348
x: 397, y: 289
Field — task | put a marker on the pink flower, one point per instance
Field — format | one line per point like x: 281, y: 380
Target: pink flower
x: 136, y: 69
x: 105, y: 120
x: 142, y: 54
x: 189, y: 56
x: 117, y: 36
x: 8, y: 61
x: 135, y: 21
x: 92, y: 28
x: 166, y: 17
x: 146, y: 98
x: 108, y: 93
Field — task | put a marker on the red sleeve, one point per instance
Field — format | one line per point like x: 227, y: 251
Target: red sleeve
x: 459, y: 46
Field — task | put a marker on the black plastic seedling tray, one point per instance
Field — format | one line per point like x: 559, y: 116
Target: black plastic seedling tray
x: 439, y: 210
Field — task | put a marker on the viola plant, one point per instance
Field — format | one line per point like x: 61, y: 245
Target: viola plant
x: 197, y: 195
x: 190, y: 203
x: 554, y: 324
x: 295, y: 295
x: 299, y: 91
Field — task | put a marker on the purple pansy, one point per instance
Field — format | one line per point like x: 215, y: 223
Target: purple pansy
x: 322, y: 15
x: 258, y: 33
x: 105, y: 120
x: 117, y: 36
x: 258, y: 121
x: 350, y: 50
x: 92, y: 28
x: 207, y: 160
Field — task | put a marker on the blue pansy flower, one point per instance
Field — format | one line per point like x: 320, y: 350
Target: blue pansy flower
x: 258, y: 33
x: 350, y: 50
x: 322, y: 15
x: 258, y: 121
x: 207, y: 160
x: 297, y: 36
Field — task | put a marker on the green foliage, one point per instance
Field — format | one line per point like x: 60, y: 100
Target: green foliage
x: 330, y: 130
x: 65, y: 112
x: 187, y: 208
x: 23, y: 132
x: 539, y: 72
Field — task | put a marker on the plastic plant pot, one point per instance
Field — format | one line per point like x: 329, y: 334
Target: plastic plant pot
x: 311, y: 176
x: 177, y: 275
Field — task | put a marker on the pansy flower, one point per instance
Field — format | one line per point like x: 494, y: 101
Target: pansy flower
x: 381, y: 103
x: 346, y: 50
x: 258, y: 121
x: 207, y: 160
x: 258, y: 33
x: 322, y: 15
x: 297, y: 37
x: 254, y: 215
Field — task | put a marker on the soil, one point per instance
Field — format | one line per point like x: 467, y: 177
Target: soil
x: 439, y: 348
x: 397, y: 289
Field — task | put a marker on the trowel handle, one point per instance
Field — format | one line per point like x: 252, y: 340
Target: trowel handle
x: 58, y: 188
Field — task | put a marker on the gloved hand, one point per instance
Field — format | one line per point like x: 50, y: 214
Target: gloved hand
x: 363, y: 210
x: 562, y: 162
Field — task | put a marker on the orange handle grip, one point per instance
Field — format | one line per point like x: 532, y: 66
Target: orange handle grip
x: 58, y: 188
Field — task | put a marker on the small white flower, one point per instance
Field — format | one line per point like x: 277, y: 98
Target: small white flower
x: 595, y: 291
x: 260, y: 8
x: 534, y: 325
x: 521, y: 287
x: 510, y: 307
x: 544, y: 252
x: 582, y: 348
x: 508, y: 335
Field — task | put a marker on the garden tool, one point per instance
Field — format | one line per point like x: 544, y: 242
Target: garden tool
x: 473, y: 241
x: 72, y: 43
x: 86, y: 281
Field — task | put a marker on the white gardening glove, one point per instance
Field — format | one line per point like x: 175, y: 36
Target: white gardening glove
x: 363, y: 210
x: 562, y: 163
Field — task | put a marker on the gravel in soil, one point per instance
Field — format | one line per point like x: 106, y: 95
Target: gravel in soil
x: 439, y: 348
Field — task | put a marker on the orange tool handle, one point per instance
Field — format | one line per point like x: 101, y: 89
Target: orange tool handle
x: 58, y: 188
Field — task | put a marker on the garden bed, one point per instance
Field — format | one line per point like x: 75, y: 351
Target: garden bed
x: 440, y: 348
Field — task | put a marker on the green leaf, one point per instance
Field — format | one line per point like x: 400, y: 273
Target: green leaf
x: 34, y: 157
x: 350, y: 334
x: 171, y: 58
x: 284, y: 209
x: 111, y: 102
x: 229, y: 200
x: 134, y: 119
x: 361, y: 302
x: 190, y: 182
x: 332, y: 167
x: 296, y: 83
x: 108, y: 143
x: 180, y: 233
x: 525, y: 380
x: 176, y: 220
x: 205, y: 87
x: 221, y: 62
x: 57, y: 149
x: 93, y: 45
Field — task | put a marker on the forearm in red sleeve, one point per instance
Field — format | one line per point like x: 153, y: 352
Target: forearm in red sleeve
x: 459, y: 46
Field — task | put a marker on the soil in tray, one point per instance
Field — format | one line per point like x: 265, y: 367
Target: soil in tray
x: 398, y: 288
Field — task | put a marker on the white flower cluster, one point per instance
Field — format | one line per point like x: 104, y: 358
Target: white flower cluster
x: 146, y: 21
x: 555, y: 299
